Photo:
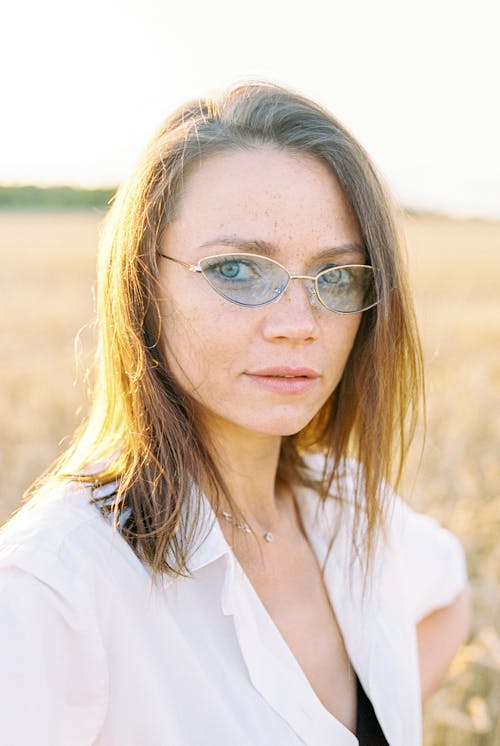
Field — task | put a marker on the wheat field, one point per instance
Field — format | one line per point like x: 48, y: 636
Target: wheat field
x: 47, y: 289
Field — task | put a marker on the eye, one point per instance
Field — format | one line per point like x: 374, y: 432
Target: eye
x: 336, y: 276
x: 230, y: 269
x: 236, y: 269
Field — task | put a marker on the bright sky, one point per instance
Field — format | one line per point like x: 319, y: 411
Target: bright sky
x: 85, y: 84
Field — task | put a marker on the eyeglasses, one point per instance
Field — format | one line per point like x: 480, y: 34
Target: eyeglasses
x: 254, y: 280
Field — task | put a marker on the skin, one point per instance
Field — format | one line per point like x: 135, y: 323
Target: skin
x: 295, y: 204
x: 439, y: 636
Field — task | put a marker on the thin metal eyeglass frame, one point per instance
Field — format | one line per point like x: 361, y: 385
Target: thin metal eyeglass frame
x: 198, y: 269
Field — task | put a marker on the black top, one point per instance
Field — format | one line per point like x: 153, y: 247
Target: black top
x: 368, y: 730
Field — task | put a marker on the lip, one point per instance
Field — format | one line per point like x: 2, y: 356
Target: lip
x: 285, y: 370
x: 284, y: 379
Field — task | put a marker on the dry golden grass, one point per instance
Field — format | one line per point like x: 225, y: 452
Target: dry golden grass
x: 47, y: 276
x: 47, y: 262
x: 456, y: 271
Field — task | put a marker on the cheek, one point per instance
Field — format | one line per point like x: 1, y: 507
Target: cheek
x: 201, y: 341
x: 352, y: 324
x: 341, y: 341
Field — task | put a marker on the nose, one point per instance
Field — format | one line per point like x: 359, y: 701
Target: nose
x: 293, y: 316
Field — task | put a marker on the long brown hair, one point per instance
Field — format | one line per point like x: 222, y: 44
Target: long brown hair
x: 144, y: 430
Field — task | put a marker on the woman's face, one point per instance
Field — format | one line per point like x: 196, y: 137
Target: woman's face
x: 265, y: 369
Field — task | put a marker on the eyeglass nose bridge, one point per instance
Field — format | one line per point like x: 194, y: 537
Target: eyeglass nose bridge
x: 312, y: 288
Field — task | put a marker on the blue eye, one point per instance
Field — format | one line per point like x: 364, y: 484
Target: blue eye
x: 236, y: 269
x: 340, y: 276
x: 231, y: 270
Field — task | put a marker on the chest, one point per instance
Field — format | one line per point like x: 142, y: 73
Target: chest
x: 297, y: 602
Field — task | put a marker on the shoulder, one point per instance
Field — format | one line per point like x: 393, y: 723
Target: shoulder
x: 61, y: 539
x: 428, y: 558
x: 424, y: 560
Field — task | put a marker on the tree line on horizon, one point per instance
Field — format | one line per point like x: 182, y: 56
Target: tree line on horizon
x: 60, y: 197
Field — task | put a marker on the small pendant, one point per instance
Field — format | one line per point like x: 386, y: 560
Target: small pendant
x: 268, y: 536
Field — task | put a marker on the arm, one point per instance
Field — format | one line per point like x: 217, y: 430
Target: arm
x: 439, y: 636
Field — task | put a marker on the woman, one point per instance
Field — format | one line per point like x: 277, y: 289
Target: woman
x: 218, y: 558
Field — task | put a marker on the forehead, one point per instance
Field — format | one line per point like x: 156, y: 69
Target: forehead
x: 292, y: 201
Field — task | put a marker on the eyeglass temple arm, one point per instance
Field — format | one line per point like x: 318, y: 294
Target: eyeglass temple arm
x: 191, y: 267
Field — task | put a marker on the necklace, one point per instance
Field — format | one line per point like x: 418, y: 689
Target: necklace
x: 267, y: 536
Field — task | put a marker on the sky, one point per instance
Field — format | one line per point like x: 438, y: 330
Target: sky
x: 86, y: 84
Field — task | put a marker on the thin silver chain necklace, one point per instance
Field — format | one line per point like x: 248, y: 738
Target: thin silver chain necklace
x: 267, y: 536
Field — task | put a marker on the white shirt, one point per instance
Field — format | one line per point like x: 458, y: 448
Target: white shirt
x: 91, y: 653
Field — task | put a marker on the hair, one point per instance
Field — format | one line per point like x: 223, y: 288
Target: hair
x: 144, y: 430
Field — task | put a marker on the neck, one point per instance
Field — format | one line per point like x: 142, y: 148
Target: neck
x: 248, y: 463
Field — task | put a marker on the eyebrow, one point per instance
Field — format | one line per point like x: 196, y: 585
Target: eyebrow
x: 258, y: 246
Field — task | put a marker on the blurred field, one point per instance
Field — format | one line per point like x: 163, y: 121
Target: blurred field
x: 46, y: 287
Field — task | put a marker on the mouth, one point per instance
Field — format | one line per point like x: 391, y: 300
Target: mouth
x: 284, y: 380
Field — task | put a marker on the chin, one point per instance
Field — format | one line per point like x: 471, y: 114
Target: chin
x: 272, y: 424
x: 282, y: 428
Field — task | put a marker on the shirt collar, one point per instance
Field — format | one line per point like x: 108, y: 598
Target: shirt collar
x: 319, y: 518
x: 209, y: 543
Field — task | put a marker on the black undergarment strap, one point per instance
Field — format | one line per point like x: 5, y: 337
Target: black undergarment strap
x: 368, y: 730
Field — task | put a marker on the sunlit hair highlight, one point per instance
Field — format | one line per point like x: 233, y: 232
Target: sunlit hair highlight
x: 146, y: 431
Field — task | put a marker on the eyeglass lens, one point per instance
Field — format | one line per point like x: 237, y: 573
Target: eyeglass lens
x: 255, y: 281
